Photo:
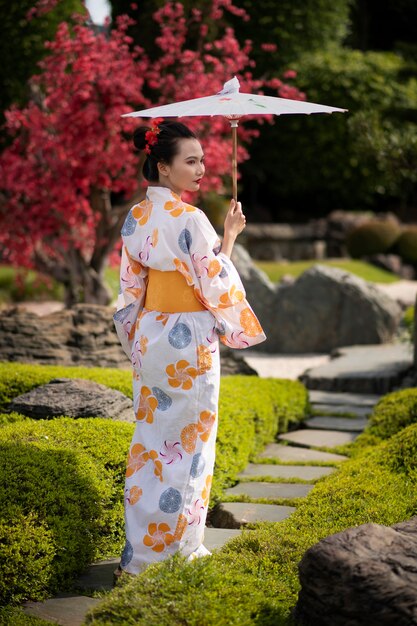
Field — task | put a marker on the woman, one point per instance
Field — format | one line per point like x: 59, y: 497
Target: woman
x: 180, y: 294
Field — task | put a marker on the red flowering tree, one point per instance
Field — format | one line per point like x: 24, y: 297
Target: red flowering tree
x: 70, y: 174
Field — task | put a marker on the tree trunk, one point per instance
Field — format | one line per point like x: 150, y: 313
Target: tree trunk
x: 83, y: 279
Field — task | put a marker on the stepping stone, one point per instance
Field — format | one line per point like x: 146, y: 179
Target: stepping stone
x: 343, y: 397
x: 356, y: 425
x: 215, y: 538
x: 305, y: 472
x: 65, y: 609
x: 270, y: 490
x: 98, y: 576
x: 237, y: 514
x: 318, y: 438
x: 374, y: 369
x: 293, y: 453
x: 334, y: 409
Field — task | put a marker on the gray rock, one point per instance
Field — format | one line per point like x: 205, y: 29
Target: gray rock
x: 83, y: 335
x: 233, y: 362
x: 305, y: 472
x: 318, y: 438
x: 392, y: 263
x: 237, y: 514
x: 344, y: 397
x: 66, y: 609
x: 270, y: 490
x: 286, y: 241
x: 260, y: 292
x: 363, y: 576
x: 338, y: 409
x: 216, y: 538
x: 327, y: 308
x: 74, y: 398
x: 362, y: 369
x: 326, y: 422
x: 294, y: 453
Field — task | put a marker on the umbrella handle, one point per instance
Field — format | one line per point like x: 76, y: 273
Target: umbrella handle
x: 234, y: 124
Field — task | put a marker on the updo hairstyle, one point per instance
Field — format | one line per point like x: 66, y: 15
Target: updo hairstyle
x: 165, y: 149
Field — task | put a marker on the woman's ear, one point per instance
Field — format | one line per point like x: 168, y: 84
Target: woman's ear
x: 163, y: 168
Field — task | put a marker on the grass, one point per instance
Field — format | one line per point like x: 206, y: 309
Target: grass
x: 276, y: 270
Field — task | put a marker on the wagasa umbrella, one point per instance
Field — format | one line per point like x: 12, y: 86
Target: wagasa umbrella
x: 233, y: 105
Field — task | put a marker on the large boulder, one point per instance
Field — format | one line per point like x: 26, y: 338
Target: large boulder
x: 260, y: 291
x: 75, y: 398
x: 363, y: 576
x: 83, y: 335
x: 327, y: 308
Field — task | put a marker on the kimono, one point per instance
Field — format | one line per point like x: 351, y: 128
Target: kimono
x: 176, y: 374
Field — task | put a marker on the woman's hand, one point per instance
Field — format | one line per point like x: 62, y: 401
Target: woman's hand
x: 235, y: 221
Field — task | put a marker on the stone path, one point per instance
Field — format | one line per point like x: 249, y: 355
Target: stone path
x: 284, y: 471
x: 363, y: 369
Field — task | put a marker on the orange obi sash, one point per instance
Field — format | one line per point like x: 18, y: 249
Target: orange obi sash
x: 169, y: 292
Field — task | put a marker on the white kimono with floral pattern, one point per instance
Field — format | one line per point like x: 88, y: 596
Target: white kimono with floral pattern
x: 176, y: 374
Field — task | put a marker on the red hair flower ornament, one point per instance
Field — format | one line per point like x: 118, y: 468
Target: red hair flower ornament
x: 151, y: 136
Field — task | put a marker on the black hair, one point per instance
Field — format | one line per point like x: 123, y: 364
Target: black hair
x: 166, y: 147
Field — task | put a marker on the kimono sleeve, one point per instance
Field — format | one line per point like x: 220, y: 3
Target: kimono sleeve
x: 219, y: 287
x: 131, y: 298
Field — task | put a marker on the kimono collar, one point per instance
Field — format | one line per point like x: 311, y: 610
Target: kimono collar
x: 162, y: 194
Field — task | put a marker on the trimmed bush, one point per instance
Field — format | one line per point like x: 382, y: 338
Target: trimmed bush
x: 407, y: 244
x: 392, y: 413
x: 27, y: 552
x: 70, y: 474
x: 73, y: 501
x: 408, y: 321
x: 254, y: 578
x: 373, y: 237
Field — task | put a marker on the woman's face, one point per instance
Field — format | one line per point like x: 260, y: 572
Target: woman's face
x: 187, y: 168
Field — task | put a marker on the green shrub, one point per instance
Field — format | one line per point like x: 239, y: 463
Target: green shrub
x: 373, y: 237
x: 393, y: 412
x: 254, y: 578
x: 10, y: 418
x: 27, y: 553
x: 409, y: 323
x: 46, y: 472
x: 407, y: 244
x: 69, y: 473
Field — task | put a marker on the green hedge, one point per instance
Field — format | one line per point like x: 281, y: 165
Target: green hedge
x: 67, y: 476
x: 254, y: 578
x: 408, y: 321
x: 392, y: 413
x: 407, y: 244
x: 373, y: 237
